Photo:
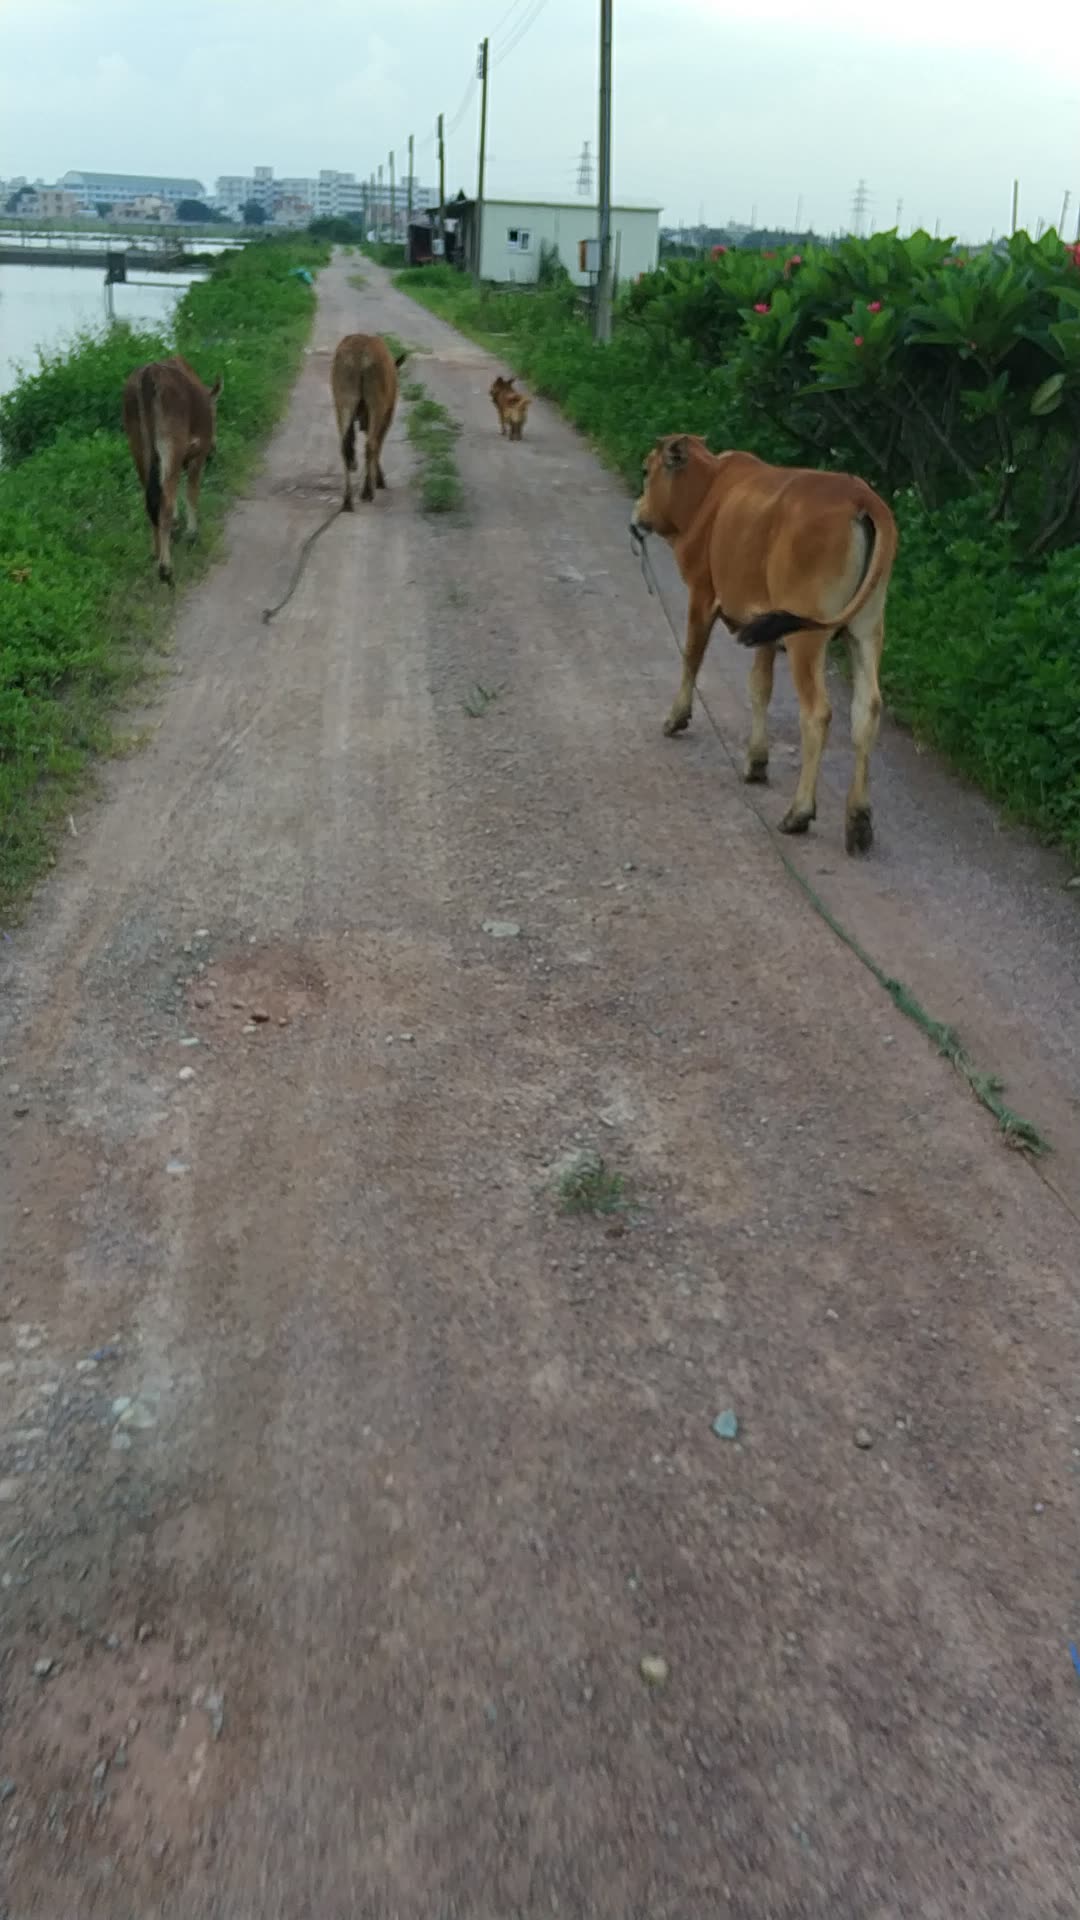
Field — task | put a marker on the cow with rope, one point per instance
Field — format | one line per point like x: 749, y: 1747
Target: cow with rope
x: 783, y: 556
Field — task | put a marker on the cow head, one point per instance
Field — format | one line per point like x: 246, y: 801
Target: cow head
x: 660, y: 508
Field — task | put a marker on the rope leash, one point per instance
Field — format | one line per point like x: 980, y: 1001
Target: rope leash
x: 270, y: 612
x: 1017, y: 1132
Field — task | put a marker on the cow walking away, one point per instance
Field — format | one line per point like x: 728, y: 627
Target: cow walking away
x: 780, y: 555
x: 364, y: 383
x: 511, y: 406
x: 170, y: 419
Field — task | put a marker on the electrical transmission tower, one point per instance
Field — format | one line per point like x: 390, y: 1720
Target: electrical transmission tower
x: 584, y: 173
x: 860, y: 206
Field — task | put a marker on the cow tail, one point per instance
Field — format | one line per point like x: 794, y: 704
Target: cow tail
x: 348, y: 445
x: 148, y: 422
x: 768, y: 629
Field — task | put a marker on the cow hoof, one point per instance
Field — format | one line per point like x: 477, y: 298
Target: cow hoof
x: 676, y: 723
x: 757, y: 773
x: 347, y: 505
x: 859, y: 831
x: 368, y: 493
x: 797, y: 820
x: 166, y: 574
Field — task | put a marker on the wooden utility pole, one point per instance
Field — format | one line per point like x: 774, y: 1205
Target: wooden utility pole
x: 482, y: 69
x: 442, y: 187
x: 603, y: 287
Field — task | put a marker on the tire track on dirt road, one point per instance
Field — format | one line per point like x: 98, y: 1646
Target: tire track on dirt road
x: 431, y: 1467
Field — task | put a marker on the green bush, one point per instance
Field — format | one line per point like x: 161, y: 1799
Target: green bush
x: 78, y: 596
x: 982, y: 659
x: 75, y: 390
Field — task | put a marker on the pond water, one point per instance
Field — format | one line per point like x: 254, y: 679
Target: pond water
x: 45, y: 306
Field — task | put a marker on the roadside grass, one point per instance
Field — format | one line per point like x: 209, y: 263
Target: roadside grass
x: 80, y: 607
x: 589, y: 1185
x: 433, y: 433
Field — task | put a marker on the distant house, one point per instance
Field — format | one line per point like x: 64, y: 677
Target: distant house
x: 516, y: 234
x: 49, y: 203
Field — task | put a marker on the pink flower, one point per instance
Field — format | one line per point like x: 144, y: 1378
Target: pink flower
x: 858, y: 339
x: 874, y: 307
x: 761, y: 306
x: 717, y: 251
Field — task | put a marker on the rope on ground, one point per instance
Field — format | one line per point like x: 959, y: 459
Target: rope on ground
x: 987, y: 1088
x: 269, y: 612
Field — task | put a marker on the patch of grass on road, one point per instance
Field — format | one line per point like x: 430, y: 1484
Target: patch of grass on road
x: 433, y: 433
x: 358, y: 280
x: 79, y: 601
x: 478, y: 700
x: 588, y: 1185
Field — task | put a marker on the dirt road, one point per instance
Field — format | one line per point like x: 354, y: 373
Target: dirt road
x: 345, y: 1482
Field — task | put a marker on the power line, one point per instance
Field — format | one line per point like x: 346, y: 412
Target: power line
x: 512, y: 8
x: 529, y: 20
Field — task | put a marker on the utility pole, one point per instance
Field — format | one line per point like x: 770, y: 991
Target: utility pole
x: 603, y: 286
x: 899, y: 211
x: 408, y: 217
x: 859, y: 203
x: 1064, y: 213
x: 380, y: 210
x: 1015, y: 206
x: 393, y: 204
x: 482, y: 71
x: 442, y: 187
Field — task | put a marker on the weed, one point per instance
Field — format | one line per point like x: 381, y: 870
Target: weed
x: 589, y: 1185
x: 357, y: 280
x: 433, y: 432
x: 478, y: 700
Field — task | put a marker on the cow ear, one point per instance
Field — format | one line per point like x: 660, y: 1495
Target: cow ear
x: 218, y: 387
x: 401, y: 359
x: 677, y: 453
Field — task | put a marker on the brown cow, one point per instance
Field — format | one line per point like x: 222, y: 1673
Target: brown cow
x: 171, y: 423
x: 363, y: 380
x: 780, y: 554
x: 512, y: 407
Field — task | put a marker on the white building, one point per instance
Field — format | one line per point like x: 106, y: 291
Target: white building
x: 122, y: 189
x: 517, y: 233
x: 330, y: 195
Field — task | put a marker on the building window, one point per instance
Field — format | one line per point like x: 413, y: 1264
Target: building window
x: 518, y: 239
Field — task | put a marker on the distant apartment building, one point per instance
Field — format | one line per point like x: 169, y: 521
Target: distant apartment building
x: 328, y: 194
x: 92, y: 190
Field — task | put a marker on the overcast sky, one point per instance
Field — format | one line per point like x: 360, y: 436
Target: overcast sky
x: 722, y: 107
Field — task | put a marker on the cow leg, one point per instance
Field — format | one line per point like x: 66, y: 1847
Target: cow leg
x: 371, y: 468
x: 194, y: 483
x: 170, y: 484
x: 761, y: 686
x: 867, y: 637
x: 346, y: 419
x: 807, y: 654
x: 699, y: 625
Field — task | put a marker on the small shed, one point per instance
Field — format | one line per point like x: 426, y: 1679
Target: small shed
x: 517, y: 234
